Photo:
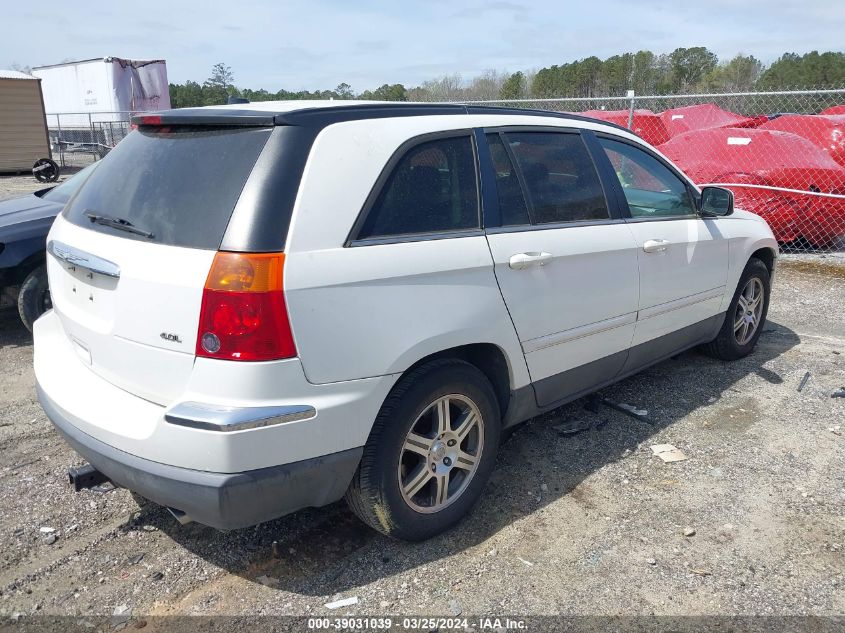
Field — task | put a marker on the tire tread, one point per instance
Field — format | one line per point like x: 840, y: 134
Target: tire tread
x: 28, y: 294
x: 364, y: 495
x: 724, y: 347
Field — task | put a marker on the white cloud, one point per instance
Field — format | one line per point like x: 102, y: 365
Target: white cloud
x: 320, y: 43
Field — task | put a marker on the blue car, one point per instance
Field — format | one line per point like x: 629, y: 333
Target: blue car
x: 24, y: 224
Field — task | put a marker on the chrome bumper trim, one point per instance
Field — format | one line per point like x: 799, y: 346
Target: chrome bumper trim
x: 211, y: 417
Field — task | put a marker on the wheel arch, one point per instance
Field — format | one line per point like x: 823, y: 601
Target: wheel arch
x: 15, y: 274
x: 488, y: 358
x: 749, y: 240
x: 35, y: 260
x: 766, y: 255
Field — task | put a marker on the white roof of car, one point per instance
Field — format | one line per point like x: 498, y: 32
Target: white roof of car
x: 449, y: 108
x: 415, y: 109
x: 14, y: 74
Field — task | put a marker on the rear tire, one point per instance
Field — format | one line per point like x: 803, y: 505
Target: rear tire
x: 420, y: 475
x: 746, y: 314
x: 34, y: 296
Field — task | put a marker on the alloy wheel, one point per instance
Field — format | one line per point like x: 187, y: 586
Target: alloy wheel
x: 441, y: 453
x: 749, y: 309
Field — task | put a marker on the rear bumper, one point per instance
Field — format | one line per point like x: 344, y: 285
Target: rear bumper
x: 221, y: 500
x: 230, y: 417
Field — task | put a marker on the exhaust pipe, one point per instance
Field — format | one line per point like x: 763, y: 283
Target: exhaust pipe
x: 181, y: 517
x: 85, y: 476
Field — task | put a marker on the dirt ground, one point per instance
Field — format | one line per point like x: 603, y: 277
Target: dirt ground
x: 13, y: 186
x: 584, y: 523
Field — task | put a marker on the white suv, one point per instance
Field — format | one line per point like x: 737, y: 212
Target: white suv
x: 263, y: 307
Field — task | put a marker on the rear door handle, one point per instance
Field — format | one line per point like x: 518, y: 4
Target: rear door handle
x: 655, y: 246
x: 520, y: 261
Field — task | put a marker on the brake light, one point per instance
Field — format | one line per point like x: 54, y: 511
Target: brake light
x: 243, y: 314
x: 150, y: 119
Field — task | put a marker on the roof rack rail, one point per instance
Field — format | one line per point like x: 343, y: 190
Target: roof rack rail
x: 321, y: 116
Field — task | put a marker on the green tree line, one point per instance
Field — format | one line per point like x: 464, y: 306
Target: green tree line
x: 695, y: 69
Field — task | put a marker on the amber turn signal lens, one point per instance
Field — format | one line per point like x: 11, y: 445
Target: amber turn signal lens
x: 246, y: 272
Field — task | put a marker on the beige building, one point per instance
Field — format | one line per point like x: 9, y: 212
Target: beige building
x: 23, y: 126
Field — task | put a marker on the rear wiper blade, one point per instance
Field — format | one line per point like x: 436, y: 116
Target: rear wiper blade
x: 118, y: 223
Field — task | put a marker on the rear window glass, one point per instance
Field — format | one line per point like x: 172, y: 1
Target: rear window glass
x: 179, y: 185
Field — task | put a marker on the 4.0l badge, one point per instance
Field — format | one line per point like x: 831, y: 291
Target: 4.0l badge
x: 167, y: 336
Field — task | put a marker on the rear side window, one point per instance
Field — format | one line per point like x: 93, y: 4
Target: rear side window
x: 178, y: 184
x: 560, y: 179
x: 512, y: 206
x: 432, y: 189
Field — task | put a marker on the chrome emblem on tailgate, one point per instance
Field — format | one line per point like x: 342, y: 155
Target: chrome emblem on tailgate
x: 167, y: 336
x: 74, y: 257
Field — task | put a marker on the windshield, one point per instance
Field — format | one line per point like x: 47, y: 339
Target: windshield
x: 173, y: 185
x: 63, y: 192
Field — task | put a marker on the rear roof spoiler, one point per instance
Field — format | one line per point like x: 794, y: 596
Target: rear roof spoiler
x: 322, y: 116
x: 207, y: 116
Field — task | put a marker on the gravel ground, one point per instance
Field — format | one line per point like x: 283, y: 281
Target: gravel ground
x: 751, y: 523
x: 14, y: 186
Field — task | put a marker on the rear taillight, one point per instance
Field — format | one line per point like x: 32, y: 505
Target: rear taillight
x: 243, y: 314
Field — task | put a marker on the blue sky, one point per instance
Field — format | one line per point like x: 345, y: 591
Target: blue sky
x: 313, y: 44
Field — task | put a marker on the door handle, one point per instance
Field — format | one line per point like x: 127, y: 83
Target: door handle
x: 521, y: 261
x: 655, y: 246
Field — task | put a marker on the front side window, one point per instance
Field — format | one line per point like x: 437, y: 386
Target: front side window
x: 560, y: 179
x: 432, y: 189
x: 651, y: 189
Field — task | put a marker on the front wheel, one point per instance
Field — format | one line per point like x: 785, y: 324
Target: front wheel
x: 34, y: 297
x: 430, y: 453
x: 746, y: 315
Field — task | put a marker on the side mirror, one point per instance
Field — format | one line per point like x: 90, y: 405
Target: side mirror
x: 716, y: 202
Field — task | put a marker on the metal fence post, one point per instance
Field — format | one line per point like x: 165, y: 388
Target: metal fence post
x: 91, y: 127
x: 59, y: 139
x: 631, y: 110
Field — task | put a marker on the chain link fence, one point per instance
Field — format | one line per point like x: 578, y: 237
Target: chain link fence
x: 78, y: 139
x: 781, y: 153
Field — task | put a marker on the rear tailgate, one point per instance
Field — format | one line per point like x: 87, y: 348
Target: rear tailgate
x: 130, y: 255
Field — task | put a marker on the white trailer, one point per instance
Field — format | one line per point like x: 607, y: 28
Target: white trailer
x: 89, y: 102
x: 107, y: 88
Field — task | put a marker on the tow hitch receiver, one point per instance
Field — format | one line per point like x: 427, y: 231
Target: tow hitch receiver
x: 85, y: 476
